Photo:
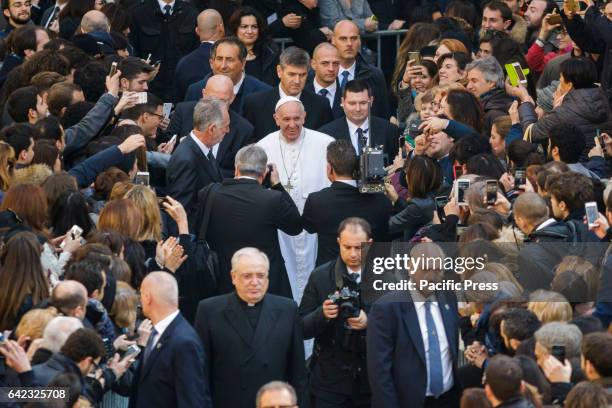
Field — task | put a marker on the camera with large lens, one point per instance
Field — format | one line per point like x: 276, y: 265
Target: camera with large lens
x: 348, y: 303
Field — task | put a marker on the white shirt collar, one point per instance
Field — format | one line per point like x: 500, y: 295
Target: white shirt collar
x: 331, y: 90
x: 546, y: 223
x: 283, y: 94
x: 203, y: 147
x: 239, y: 84
x: 365, y: 126
x: 163, y: 324
x: 163, y: 4
x: 245, y: 177
x: 350, y: 69
x: 350, y: 183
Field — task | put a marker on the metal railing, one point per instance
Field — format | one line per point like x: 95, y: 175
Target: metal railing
x: 376, y: 35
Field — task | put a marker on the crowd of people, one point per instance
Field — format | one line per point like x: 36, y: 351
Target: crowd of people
x: 185, y: 204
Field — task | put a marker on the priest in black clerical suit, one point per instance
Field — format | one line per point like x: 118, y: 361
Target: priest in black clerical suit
x: 251, y: 337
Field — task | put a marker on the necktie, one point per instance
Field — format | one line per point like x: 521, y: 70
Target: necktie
x: 213, y: 162
x: 167, y: 9
x: 362, y: 141
x: 354, y: 277
x: 344, y: 79
x: 56, y: 10
x: 436, y: 380
x: 149, y: 346
x: 323, y: 92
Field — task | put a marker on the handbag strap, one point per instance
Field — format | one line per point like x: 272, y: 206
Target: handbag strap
x: 210, y: 197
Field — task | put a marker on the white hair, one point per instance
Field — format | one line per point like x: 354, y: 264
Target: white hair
x: 249, y: 252
x: 58, y: 330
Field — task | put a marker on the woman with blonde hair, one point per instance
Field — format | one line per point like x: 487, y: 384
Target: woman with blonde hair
x: 550, y: 306
x: 122, y: 216
x: 32, y: 324
x: 149, y: 233
x: 124, y: 310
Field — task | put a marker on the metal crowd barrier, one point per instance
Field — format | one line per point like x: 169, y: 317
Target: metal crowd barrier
x: 376, y: 35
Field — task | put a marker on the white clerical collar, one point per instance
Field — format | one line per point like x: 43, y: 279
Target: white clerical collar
x: 239, y: 84
x: 283, y: 94
x: 245, y: 177
x: 295, y: 142
x: 350, y: 69
x: 365, y: 126
x: 163, y: 4
x: 205, y: 149
x: 349, y: 182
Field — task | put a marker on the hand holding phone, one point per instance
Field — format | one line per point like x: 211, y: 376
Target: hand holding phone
x: 592, y: 213
x: 461, y: 187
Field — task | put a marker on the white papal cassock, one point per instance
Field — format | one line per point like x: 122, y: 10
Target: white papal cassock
x: 302, y: 168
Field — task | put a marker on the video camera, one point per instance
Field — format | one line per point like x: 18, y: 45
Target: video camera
x: 372, y: 171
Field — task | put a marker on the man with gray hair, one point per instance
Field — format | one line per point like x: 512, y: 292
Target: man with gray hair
x: 251, y: 335
x: 171, y: 371
x: 486, y: 81
x: 193, y: 165
x: 240, y: 131
x: 292, y: 70
x: 247, y: 214
x: 55, y: 335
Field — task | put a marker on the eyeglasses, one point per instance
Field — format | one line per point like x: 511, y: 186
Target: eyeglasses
x: 156, y: 114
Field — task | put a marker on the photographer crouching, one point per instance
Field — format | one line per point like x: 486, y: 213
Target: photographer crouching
x: 334, y: 313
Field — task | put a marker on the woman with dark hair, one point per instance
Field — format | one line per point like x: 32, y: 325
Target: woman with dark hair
x: 451, y: 67
x: 485, y: 164
x: 46, y: 152
x: 423, y: 177
x: 22, y: 281
x: 104, y: 184
x: 70, y: 17
x: 462, y: 106
x: 418, y: 36
x: 70, y: 209
x: 252, y: 30
x: 417, y: 79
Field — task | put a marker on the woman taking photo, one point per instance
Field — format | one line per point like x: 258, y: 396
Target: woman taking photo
x: 417, y: 79
x: 252, y: 30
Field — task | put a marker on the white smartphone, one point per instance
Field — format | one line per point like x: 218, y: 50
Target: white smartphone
x: 172, y: 139
x: 142, y: 98
x: 167, y: 109
x: 74, y: 233
x: 591, y: 212
x: 132, y: 352
x: 461, y: 187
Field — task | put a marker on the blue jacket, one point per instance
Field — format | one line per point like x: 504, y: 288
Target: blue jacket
x: 87, y: 171
x: 396, y: 355
x: 193, y: 67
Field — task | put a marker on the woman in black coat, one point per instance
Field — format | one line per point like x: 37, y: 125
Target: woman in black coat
x: 262, y: 54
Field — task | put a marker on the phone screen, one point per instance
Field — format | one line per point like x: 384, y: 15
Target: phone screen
x: 462, y: 186
x: 491, y: 192
x: 591, y: 212
x: 558, y: 352
x: 519, y: 178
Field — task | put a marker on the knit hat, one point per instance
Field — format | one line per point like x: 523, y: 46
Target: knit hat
x: 546, y: 96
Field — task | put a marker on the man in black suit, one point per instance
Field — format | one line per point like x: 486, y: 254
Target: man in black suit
x: 292, y: 70
x: 339, y: 375
x: 165, y: 31
x: 193, y: 165
x: 195, y: 65
x: 326, y: 209
x: 228, y: 57
x: 353, y: 66
x: 359, y: 127
x: 251, y: 337
x: 246, y: 214
x: 171, y: 371
x: 413, y: 341
x: 325, y: 64
x: 240, y: 131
